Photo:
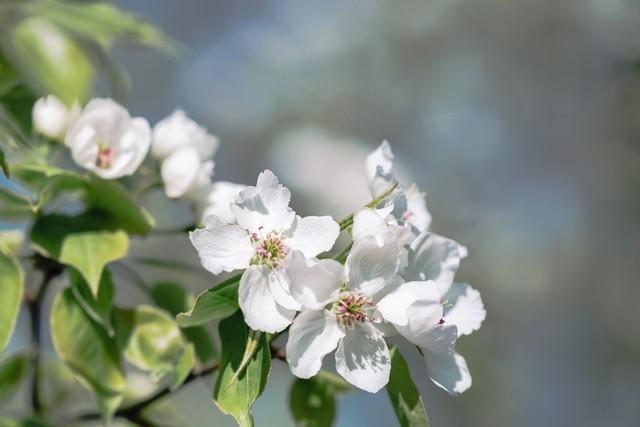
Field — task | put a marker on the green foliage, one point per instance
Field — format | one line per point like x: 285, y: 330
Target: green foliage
x: 88, y: 351
x: 97, y: 307
x: 4, y: 165
x: 151, y: 340
x: 312, y: 400
x: 404, y: 395
x: 12, y: 370
x: 175, y: 299
x: 215, y: 303
x: 12, y: 279
x: 238, y: 386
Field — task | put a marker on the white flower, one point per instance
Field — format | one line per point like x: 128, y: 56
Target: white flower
x: 268, y: 233
x: 359, y: 302
x: 183, y: 171
x: 464, y: 308
x: 408, y: 206
x: 51, y: 117
x: 106, y: 140
x: 423, y: 324
x: 178, y: 131
x: 216, y: 199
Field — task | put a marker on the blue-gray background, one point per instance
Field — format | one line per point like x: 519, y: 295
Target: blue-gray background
x: 520, y: 118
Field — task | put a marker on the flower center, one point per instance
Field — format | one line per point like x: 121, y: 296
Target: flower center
x: 352, y: 307
x: 105, y: 157
x: 270, y: 249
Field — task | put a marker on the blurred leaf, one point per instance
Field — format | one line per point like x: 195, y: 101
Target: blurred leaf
x: 47, y: 181
x: 49, y: 59
x: 404, y: 395
x: 101, y: 22
x: 90, y: 353
x: 14, y: 205
x: 151, y: 340
x: 215, y: 303
x: 175, y: 299
x: 112, y: 197
x: 18, y: 102
x: 98, y: 307
x: 12, y: 280
x: 29, y: 422
x: 4, y: 166
x: 235, y: 395
x: 8, y: 76
x: 312, y: 404
x: 12, y: 370
x: 86, y: 242
x: 89, y: 252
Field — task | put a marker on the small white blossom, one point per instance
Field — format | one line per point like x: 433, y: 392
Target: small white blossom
x: 185, y: 149
x: 178, y: 131
x: 51, y: 117
x: 267, y: 234
x: 106, y: 140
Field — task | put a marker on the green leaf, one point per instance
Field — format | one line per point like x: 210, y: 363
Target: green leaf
x: 312, y: 400
x: 17, y: 103
x: 88, y: 351
x: 404, y: 395
x: 234, y: 394
x: 175, y: 299
x: 12, y: 371
x: 151, y: 340
x: 112, y: 197
x: 47, y: 181
x: 215, y: 303
x: 102, y: 22
x: 13, y: 205
x: 12, y: 279
x: 3, y: 163
x: 98, y: 307
x: 51, y: 61
x: 90, y: 251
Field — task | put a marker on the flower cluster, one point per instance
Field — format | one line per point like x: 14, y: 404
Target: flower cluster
x: 398, y: 278
x: 106, y: 140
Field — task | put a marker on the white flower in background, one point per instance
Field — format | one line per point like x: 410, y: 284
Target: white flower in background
x: 178, y: 131
x: 183, y: 171
x: 216, y: 199
x: 268, y: 233
x: 51, y: 117
x: 185, y: 149
x: 348, y: 312
x: 408, y: 206
x: 106, y: 140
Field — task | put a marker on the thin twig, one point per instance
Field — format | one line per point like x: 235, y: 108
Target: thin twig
x: 347, y: 221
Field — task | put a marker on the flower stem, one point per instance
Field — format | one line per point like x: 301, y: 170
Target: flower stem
x: 347, y: 222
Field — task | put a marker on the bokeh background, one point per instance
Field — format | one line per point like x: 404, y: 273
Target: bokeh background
x: 520, y: 119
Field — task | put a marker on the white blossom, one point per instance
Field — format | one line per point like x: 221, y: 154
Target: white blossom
x: 185, y: 150
x: 51, y: 117
x: 267, y: 235
x: 346, y: 313
x: 178, y: 131
x: 105, y: 139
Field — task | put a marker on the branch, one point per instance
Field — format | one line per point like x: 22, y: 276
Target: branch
x: 348, y: 221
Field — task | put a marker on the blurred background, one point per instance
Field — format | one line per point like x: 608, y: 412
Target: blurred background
x: 520, y: 119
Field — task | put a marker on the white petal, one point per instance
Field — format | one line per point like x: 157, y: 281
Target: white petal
x: 362, y: 358
x: 51, y: 117
x: 179, y: 171
x: 222, y: 247
x: 314, y: 283
x: 369, y: 262
x: 178, y: 131
x: 280, y: 288
x: 394, y: 307
x: 379, y: 166
x: 265, y: 206
x: 216, y: 199
x: 436, y: 258
x: 448, y: 370
x: 466, y: 311
x: 259, y: 307
x: 312, y: 335
x: 368, y: 222
x: 416, y: 212
x: 313, y: 235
